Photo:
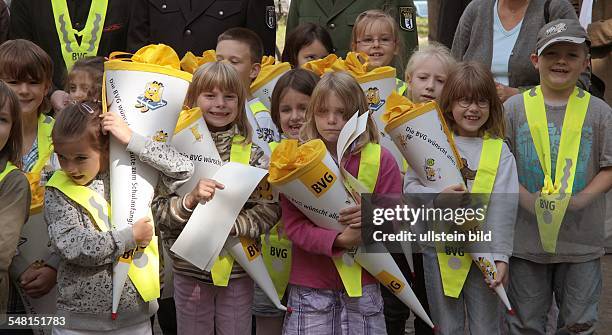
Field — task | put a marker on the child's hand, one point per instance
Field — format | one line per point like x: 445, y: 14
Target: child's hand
x: 143, y: 231
x: 203, y: 192
x: 38, y: 281
x: 59, y: 99
x: 502, y: 275
x: 527, y: 200
x: 349, y: 238
x: 450, y: 197
x: 504, y: 92
x: 114, y: 124
x: 351, y: 216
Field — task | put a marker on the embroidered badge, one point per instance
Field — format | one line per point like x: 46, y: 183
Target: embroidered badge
x: 406, y: 18
x: 270, y: 17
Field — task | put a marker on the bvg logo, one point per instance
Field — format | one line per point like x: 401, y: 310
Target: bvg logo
x: 390, y: 281
x: 318, y: 180
x: 250, y: 248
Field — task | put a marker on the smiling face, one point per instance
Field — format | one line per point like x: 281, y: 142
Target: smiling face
x: 220, y: 109
x: 292, y: 112
x: 378, y: 42
x: 80, y: 160
x: 427, y: 81
x: 330, y: 120
x: 81, y: 83
x: 470, y: 115
x: 30, y: 94
x: 560, y: 65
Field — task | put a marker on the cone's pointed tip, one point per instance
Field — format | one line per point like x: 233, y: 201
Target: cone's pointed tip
x: 435, y: 329
x: 511, y: 311
x: 289, y: 309
x: 114, y: 316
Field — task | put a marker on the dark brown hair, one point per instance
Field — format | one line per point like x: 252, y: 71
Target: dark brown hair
x: 78, y: 121
x: 247, y: 37
x: 24, y: 61
x: 472, y: 80
x: 304, y: 35
x: 301, y: 80
x: 14, y: 145
x: 94, y: 67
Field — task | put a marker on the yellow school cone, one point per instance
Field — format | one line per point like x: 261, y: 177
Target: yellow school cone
x: 486, y: 264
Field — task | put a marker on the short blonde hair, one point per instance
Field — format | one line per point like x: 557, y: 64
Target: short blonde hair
x: 224, y: 77
x: 366, y: 19
x: 433, y: 49
x: 346, y: 88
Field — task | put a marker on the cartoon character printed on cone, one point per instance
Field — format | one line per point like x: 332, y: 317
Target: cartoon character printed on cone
x: 152, y: 97
x: 374, y: 100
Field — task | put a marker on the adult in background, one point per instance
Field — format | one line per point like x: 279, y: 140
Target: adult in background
x: 194, y: 25
x: 338, y: 17
x: 448, y: 19
x: 502, y: 34
x: 69, y: 30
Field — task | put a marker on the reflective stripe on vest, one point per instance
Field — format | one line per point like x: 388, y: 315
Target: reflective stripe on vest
x: 45, y: 150
x: 369, y: 166
x: 257, y: 106
x: 454, y: 268
x: 552, y: 203
x: 400, y: 86
x: 90, y: 35
x: 222, y: 268
x: 7, y: 169
x: 144, y: 270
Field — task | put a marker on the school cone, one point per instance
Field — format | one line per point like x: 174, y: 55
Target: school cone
x: 269, y: 74
x: 486, y: 264
x: 245, y: 252
x: 147, y: 90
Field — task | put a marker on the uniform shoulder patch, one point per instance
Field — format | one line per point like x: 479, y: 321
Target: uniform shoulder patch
x: 407, y: 18
x: 270, y: 17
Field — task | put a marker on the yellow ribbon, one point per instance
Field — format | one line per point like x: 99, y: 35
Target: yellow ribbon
x: 323, y: 65
x: 157, y: 54
x: 267, y: 61
x: 269, y: 70
x: 190, y: 62
x: 397, y: 105
x: 289, y: 157
x: 357, y: 65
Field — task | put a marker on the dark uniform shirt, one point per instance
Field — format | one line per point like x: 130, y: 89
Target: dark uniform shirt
x: 194, y: 25
x: 33, y: 20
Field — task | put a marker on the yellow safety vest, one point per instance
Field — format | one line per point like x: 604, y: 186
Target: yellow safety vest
x: 222, y: 268
x: 144, y: 276
x: 552, y: 203
x: 7, y: 169
x: 400, y: 86
x: 369, y: 166
x: 90, y: 34
x: 454, y: 267
x: 45, y: 150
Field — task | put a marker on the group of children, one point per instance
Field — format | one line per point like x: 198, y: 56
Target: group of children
x: 304, y: 107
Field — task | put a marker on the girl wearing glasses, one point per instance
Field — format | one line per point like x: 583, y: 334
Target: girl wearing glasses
x: 474, y: 113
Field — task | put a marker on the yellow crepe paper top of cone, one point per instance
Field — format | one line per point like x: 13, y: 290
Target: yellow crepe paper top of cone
x: 190, y: 62
x: 323, y: 65
x: 290, y: 160
x: 357, y: 63
x: 269, y: 70
x: 187, y: 118
x: 400, y: 109
x: 158, y: 58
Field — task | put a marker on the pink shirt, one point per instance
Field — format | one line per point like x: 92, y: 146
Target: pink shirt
x: 311, y: 263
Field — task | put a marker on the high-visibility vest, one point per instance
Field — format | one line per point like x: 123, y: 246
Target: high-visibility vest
x: 90, y: 34
x: 369, y: 166
x: 257, y: 106
x: 45, y: 150
x: 400, y: 86
x: 7, y: 169
x: 222, y: 268
x: 454, y: 268
x: 555, y: 195
x: 144, y: 276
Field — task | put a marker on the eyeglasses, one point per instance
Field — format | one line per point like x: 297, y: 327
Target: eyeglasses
x: 481, y: 102
x: 382, y: 41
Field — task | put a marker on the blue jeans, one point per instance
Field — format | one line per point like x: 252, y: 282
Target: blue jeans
x: 577, y: 289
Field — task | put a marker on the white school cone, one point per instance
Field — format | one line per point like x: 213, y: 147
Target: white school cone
x: 311, y: 183
x: 269, y: 74
x: 246, y: 253
x: 486, y: 264
x: 421, y: 135
x: 147, y: 92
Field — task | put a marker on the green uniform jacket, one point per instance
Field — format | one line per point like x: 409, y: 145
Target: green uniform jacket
x: 338, y: 17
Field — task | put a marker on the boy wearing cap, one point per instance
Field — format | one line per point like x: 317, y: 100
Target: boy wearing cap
x: 243, y: 49
x: 560, y: 136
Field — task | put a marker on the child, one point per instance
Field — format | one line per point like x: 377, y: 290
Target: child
x: 28, y: 70
x: 317, y: 296
x: 14, y: 188
x: 289, y: 103
x: 426, y: 72
x: 75, y: 224
x: 474, y: 113
x: 568, y: 263
x: 308, y: 41
x: 203, y: 308
x: 243, y: 49
x: 85, y: 80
